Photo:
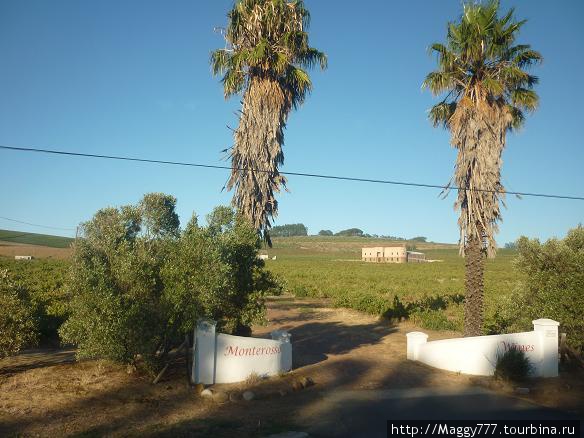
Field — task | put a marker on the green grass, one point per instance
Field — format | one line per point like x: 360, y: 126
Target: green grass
x: 431, y: 293
x: 35, y: 239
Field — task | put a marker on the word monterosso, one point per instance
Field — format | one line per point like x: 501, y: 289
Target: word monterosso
x: 221, y: 358
x: 253, y: 351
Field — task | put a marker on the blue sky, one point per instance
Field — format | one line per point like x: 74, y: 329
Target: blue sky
x: 133, y: 78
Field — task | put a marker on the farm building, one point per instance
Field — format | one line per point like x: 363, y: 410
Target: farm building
x: 22, y: 257
x: 387, y: 254
x: 391, y: 254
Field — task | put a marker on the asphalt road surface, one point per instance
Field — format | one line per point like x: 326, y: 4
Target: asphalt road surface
x: 364, y: 413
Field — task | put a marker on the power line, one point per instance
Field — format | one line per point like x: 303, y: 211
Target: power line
x: 310, y: 175
x: 36, y: 225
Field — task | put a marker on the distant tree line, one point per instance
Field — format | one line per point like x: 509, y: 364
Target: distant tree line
x: 356, y: 232
x: 350, y: 232
x: 289, y: 230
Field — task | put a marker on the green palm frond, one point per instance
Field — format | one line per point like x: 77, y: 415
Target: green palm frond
x: 441, y: 113
x: 524, y: 98
x: 526, y: 58
x: 517, y: 117
x: 297, y: 82
x: 439, y: 82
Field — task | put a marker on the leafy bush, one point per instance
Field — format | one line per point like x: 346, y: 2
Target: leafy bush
x: 17, y: 324
x: 325, y: 233
x: 552, y: 286
x: 139, y: 283
x: 513, y: 365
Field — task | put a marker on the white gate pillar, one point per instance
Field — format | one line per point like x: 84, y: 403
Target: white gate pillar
x: 414, y: 340
x: 548, y: 332
x: 204, y: 353
x: 286, y: 348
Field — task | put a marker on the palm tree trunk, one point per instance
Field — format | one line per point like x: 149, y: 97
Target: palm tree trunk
x: 473, y: 302
x: 478, y: 132
x: 257, y: 153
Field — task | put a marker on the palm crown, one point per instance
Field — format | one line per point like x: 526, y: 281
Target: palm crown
x: 268, y: 39
x: 480, y: 62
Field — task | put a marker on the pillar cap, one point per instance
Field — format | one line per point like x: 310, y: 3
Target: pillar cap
x: 545, y: 321
x: 205, y: 324
x: 417, y: 335
x: 281, y: 335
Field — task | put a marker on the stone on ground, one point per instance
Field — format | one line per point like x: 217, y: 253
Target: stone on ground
x: 207, y: 393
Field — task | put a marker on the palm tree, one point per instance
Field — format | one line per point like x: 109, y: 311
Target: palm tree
x: 488, y: 89
x: 265, y: 59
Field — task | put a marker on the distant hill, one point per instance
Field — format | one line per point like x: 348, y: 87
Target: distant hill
x: 317, y: 244
x: 35, y: 239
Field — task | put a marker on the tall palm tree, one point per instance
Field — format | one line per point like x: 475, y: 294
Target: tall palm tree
x: 488, y: 89
x: 265, y: 59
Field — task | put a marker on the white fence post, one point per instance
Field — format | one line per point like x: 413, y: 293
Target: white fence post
x: 204, y: 352
x: 414, y: 340
x: 548, y: 332
x: 286, y: 348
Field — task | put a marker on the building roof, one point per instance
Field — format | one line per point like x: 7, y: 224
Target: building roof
x: 372, y: 247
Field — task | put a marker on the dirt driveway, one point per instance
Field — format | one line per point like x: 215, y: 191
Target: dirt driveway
x: 339, y: 349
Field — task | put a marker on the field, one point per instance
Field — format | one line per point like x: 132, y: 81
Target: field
x: 331, y: 268
x: 40, y: 246
x: 7, y: 236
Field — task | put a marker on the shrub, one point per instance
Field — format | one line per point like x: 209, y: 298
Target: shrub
x: 552, y: 284
x: 513, y: 365
x: 433, y: 320
x: 139, y: 283
x: 18, y: 327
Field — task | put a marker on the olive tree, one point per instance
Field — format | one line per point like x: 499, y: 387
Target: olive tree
x: 139, y: 282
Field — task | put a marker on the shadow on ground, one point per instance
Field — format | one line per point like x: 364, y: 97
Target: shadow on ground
x: 31, y: 359
x: 314, y: 342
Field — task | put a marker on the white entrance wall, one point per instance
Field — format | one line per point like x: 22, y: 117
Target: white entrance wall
x: 478, y: 355
x: 221, y: 358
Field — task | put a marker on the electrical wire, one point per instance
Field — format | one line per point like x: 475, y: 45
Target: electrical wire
x: 36, y: 225
x: 310, y: 175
